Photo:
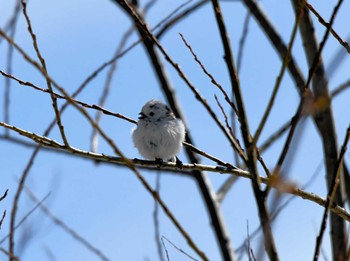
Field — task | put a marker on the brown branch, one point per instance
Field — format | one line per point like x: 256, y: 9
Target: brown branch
x: 242, y: 41
x: 4, y: 196
x: 277, y: 42
x: 43, y: 68
x: 58, y: 96
x: 324, y: 23
x: 2, y: 219
x: 4, y: 214
x: 251, y: 150
x: 225, y: 115
x: 11, y: 23
x: 314, y: 69
x: 156, y: 221
x: 110, y: 74
x: 281, y: 130
x: 331, y: 193
x: 44, y: 141
x: 211, y: 77
x: 278, y: 80
x: 276, y: 212
x: 65, y: 227
x: 16, y: 200
x: 9, y: 254
x: 208, y: 156
x: 340, y: 88
x: 323, y: 117
x: 107, y: 87
x: 177, y: 248
x: 180, y: 17
x: 25, y: 217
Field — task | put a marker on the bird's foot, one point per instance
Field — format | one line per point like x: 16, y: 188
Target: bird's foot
x: 178, y: 163
x: 159, y: 162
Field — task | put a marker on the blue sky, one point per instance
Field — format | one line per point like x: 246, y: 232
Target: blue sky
x: 106, y: 204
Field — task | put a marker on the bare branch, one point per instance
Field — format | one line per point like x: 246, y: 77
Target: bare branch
x: 2, y: 219
x: 277, y: 42
x: 156, y: 221
x: 43, y: 68
x: 324, y: 23
x: 44, y: 141
x: 242, y: 41
x: 211, y: 77
x: 331, y: 193
x: 323, y: 117
x: 65, y: 227
x: 58, y: 96
x: 26, y: 216
x: 250, y: 148
x: 225, y: 115
x: 16, y: 199
x: 278, y: 80
x: 177, y: 248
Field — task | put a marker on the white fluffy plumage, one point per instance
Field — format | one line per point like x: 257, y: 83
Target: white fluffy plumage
x: 159, y: 134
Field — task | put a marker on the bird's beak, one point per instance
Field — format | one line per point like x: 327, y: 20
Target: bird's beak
x: 142, y: 116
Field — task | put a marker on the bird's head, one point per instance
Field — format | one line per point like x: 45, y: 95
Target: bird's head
x: 155, y: 110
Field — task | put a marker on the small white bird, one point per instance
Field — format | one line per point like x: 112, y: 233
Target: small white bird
x: 159, y: 134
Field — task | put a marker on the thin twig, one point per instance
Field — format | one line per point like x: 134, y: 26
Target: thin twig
x: 43, y: 68
x: 277, y: 42
x: 211, y: 77
x: 180, y: 17
x: 4, y: 196
x: 225, y: 116
x: 208, y: 156
x: 179, y: 249
x: 9, y: 65
x: 340, y: 88
x: 11, y: 23
x: 106, y: 89
x: 9, y: 254
x: 281, y: 130
x: 110, y: 74
x: 225, y: 187
x: 166, y: 250
x: 156, y: 221
x: 26, y: 216
x: 58, y: 96
x: 2, y: 219
x: 17, y: 197
x: 65, y: 227
x: 327, y: 25
x: 242, y: 41
x: 306, y: 93
x: 278, y: 80
x: 274, y: 214
x: 330, y: 196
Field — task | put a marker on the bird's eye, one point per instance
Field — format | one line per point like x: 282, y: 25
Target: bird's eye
x: 151, y: 113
